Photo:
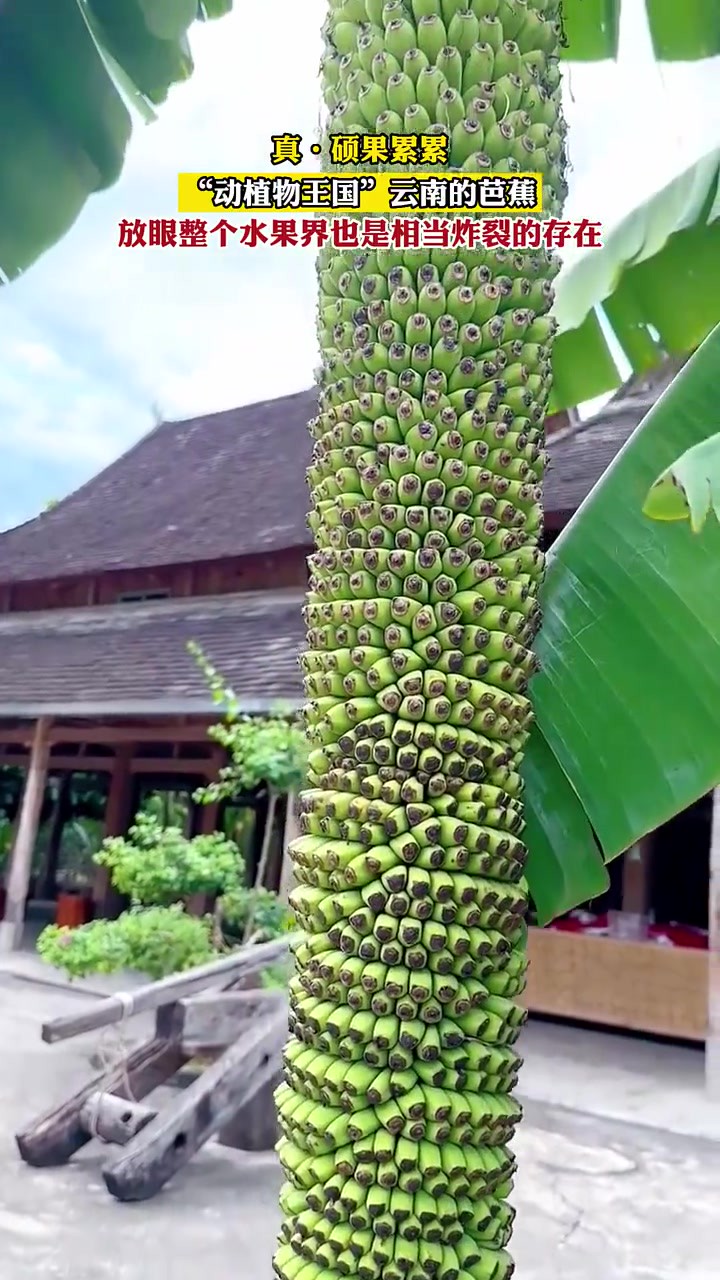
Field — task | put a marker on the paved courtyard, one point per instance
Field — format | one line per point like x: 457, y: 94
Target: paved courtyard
x: 597, y: 1199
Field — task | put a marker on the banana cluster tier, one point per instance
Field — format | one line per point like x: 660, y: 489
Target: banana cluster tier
x: 426, y: 482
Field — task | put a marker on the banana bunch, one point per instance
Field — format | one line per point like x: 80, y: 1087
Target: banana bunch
x: 483, y: 72
x: 395, y: 1111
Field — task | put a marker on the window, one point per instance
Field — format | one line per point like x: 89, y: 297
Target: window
x: 137, y: 597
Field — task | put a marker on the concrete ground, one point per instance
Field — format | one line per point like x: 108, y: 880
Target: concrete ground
x: 598, y: 1198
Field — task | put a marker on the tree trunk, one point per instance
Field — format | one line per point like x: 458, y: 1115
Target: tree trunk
x: 427, y: 517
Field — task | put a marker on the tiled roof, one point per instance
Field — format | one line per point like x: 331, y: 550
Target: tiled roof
x: 132, y: 658
x: 229, y: 484
x: 233, y: 484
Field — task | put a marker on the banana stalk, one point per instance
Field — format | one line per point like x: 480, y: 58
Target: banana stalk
x: 396, y: 1111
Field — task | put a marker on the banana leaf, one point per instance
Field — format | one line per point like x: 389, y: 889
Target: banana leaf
x: 679, y: 32
x: 689, y: 489
x: 654, y: 285
x: 71, y: 72
x: 626, y: 702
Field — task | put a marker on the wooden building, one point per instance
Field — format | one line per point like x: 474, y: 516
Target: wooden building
x: 199, y: 533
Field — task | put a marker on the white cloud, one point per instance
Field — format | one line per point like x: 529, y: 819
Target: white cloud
x: 95, y: 336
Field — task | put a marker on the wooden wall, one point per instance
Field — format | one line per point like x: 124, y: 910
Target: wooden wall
x: 275, y: 571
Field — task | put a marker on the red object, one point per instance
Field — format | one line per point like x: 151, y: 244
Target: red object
x: 72, y: 910
x: 668, y: 935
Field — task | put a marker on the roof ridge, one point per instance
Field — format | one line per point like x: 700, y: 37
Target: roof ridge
x: 166, y: 424
x: 220, y: 413
x: 62, y: 503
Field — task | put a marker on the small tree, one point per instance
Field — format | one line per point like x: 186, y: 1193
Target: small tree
x: 267, y: 752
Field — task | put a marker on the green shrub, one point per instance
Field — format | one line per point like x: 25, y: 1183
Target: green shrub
x: 155, y: 941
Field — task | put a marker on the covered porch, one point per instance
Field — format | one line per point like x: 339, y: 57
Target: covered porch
x: 104, y: 713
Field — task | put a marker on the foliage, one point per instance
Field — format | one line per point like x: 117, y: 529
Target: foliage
x: 679, y: 33
x: 267, y: 751
x: 6, y: 830
x: 626, y: 700
x: 263, y: 907
x: 87, y: 66
x: 156, y: 864
x: 156, y: 941
x: 653, y: 286
x: 689, y: 489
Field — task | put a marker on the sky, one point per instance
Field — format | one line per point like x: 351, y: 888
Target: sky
x: 97, y: 343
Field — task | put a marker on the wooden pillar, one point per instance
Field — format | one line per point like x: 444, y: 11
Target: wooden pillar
x: 18, y: 879
x: 198, y: 904
x: 636, y: 882
x: 712, y: 1044
x: 48, y: 886
x: 107, y: 902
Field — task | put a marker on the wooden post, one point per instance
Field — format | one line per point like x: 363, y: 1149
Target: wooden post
x: 18, y: 880
x: 117, y: 817
x: 636, y: 886
x: 712, y: 1044
x: 199, y: 903
x: 48, y: 885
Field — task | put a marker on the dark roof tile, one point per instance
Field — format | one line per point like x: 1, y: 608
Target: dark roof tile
x: 125, y: 659
x: 229, y: 484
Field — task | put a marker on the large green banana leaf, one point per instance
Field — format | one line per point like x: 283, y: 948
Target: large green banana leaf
x: 68, y: 70
x: 689, y: 489
x: 626, y: 702
x: 681, y: 30
x: 655, y: 284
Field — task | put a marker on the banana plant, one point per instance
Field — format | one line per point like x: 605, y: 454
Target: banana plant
x: 592, y: 29
x: 650, y: 292
x: 689, y: 488
x: 73, y: 73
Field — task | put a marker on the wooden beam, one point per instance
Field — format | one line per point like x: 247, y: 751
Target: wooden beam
x: 712, y: 1044
x: 156, y: 764
x: 64, y: 764
x: 18, y: 880
x: 215, y: 1020
x: 104, y: 764
x: 114, y: 1009
x: 108, y: 735
x: 172, y: 1139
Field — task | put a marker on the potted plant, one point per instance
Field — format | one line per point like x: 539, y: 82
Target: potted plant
x: 74, y: 878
